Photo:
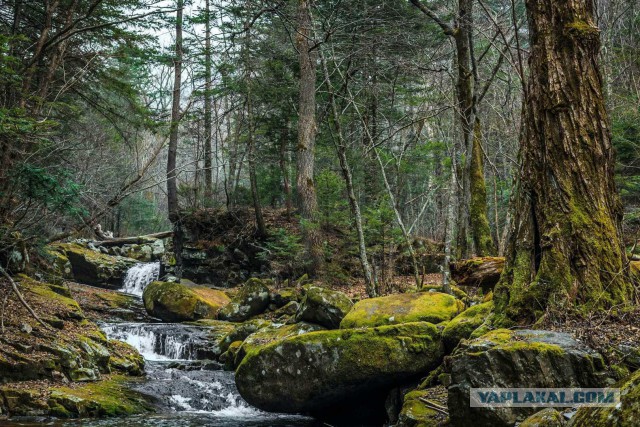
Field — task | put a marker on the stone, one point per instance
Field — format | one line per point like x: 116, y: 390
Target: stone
x: 175, y: 302
x: 337, y: 374
x: 548, y: 417
x: 323, y: 306
x: 512, y: 359
x: 415, y: 413
x: 95, y: 268
x: 433, y: 307
x: 462, y: 326
x: 253, y: 299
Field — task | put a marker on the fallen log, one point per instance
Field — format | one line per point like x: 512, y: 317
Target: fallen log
x: 139, y: 240
x: 479, y: 272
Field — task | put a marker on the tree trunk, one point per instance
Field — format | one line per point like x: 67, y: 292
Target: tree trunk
x: 172, y: 184
x: 566, y: 249
x: 284, y: 170
x: 479, y: 222
x: 307, y: 200
x: 208, y: 166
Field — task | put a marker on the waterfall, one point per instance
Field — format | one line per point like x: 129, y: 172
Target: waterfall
x: 139, y: 276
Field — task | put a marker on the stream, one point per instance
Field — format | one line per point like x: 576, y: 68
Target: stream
x: 190, y: 389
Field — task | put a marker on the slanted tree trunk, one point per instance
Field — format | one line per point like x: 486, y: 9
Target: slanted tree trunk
x: 307, y: 201
x: 172, y: 184
x: 566, y: 249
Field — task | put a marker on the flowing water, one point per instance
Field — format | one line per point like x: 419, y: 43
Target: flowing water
x: 139, y: 276
x: 190, y: 389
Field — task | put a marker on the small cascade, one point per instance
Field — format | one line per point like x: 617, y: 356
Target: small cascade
x: 164, y: 341
x: 139, y: 276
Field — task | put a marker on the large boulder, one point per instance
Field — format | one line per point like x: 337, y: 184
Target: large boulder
x: 515, y: 359
x: 253, y: 299
x: 336, y: 374
x: 624, y: 414
x: 546, y: 418
x: 176, y: 302
x: 416, y: 413
x: 323, y: 306
x: 94, y: 268
x: 433, y: 307
x: 463, y: 325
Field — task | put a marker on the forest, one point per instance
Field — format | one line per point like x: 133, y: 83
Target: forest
x: 319, y: 212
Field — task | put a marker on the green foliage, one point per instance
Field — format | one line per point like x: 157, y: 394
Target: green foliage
x: 282, y: 249
x: 332, y: 199
x: 140, y: 214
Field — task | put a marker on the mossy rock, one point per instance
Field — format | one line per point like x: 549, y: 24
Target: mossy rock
x: 513, y: 359
x: 546, y: 418
x: 284, y: 296
x: 430, y: 307
x: 624, y: 414
x: 323, y: 306
x: 252, y: 299
x: 107, y: 398
x: 275, y: 332
x: 462, y: 326
x: 455, y: 291
x: 241, y: 332
x: 175, y: 302
x: 338, y: 373
x: 415, y: 413
x: 95, y: 268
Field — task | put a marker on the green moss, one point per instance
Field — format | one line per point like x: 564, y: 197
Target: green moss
x: 463, y: 325
x: 176, y: 302
x: 582, y: 28
x: 415, y: 413
x: 106, y: 398
x: 546, y: 418
x: 431, y: 307
x: 480, y: 229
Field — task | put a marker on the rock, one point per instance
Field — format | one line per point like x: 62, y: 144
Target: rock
x: 479, y: 272
x: 338, y: 373
x: 430, y: 307
x: 252, y: 299
x: 94, y: 268
x: 323, y: 306
x: 275, y: 332
x: 287, y: 311
x: 513, y: 359
x: 546, y: 418
x: 624, y: 414
x: 284, y: 296
x: 415, y: 413
x: 26, y: 328
x: 175, y: 302
x: 462, y: 326
x: 241, y: 332
x: 228, y: 358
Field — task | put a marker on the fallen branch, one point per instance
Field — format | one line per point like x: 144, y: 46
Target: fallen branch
x: 21, y: 298
x: 149, y: 238
x: 432, y: 405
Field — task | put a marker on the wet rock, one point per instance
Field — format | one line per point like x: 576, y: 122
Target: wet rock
x: 323, y: 306
x: 512, y: 359
x: 336, y: 374
x: 95, y: 268
x: 430, y: 307
x: 175, y: 302
x: 253, y: 299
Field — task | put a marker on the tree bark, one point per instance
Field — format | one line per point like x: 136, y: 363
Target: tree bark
x: 308, y: 203
x: 208, y: 166
x: 172, y: 184
x: 566, y: 250
x: 478, y: 220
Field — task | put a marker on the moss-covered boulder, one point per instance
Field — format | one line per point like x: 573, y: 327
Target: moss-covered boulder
x: 95, y: 268
x: 323, y: 306
x: 546, y: 418
x: 272, y: 333
x: 462, y: 326
x: 433, y: 307
x: 513, y: 359
x: 252, y: 299
x: 241, y: 332
x: 176, y: 302
x: 416, y: 413
x: 624, y: 414
x: 284, y: 296
x: 338, y: 373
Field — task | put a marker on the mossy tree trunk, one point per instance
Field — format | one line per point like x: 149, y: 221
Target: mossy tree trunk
x: 478, y: 220
x: 566, y: 249
x: 307, y: 200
